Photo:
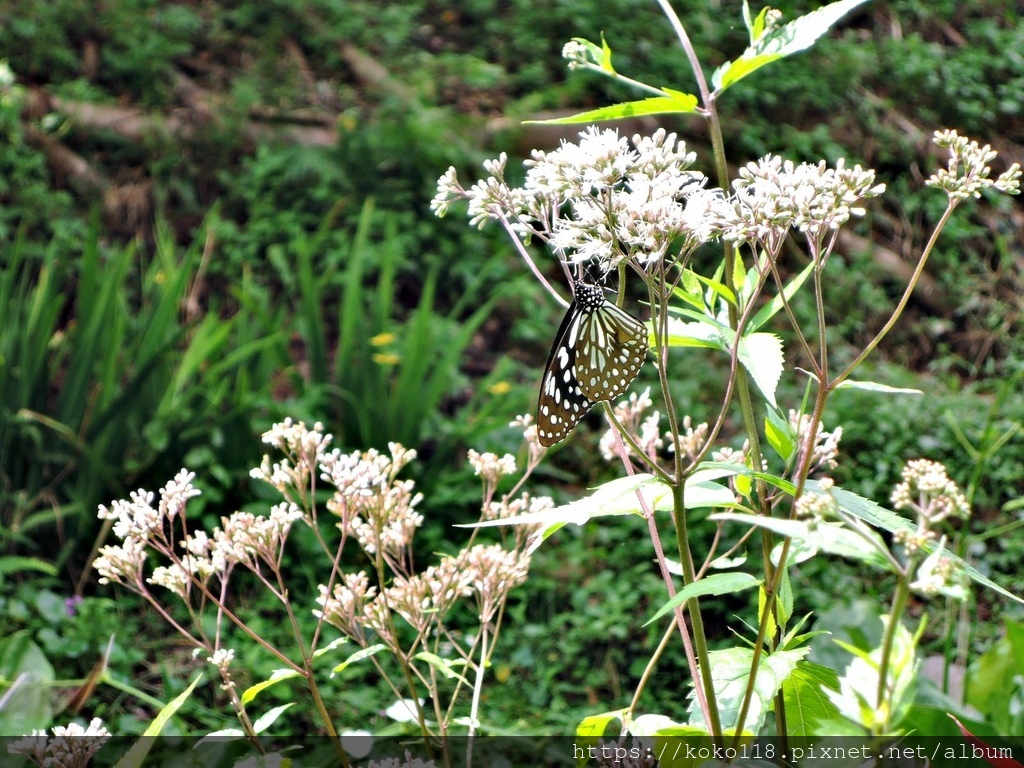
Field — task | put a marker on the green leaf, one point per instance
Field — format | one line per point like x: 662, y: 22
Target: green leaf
x: 365, y: 653
x: 857, y: 697
x: 17, y: 564
x: 730, y: 670
x: 880, y: 517
x: 618, y: 497
x: 715, y: 584
x: 762, y: 356
x: 268, y: 719
x: 716, y: 288
x: 444, y: 666
x: 605, y: 59
x: 992, y: 679
x: 873, y: 386
x: 225, y: 734
x: 806, y: 701
x: 656, y: 105
x: 773, y: 307
x: 591, y: 729
x: 275, y: 677
x: 797, y: 35
x: 27, y: 675
x: 834, y: 538
x: 135, y: 756
x: 780, y: 434
x: 596, y: 725
x: 730, y: 469
x: 703, y: 333
x: 335, y: 643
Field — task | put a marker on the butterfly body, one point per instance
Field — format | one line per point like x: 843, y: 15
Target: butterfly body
x: 597, y: 353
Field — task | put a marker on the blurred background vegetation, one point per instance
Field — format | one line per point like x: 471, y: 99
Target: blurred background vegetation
x: 214, y: 214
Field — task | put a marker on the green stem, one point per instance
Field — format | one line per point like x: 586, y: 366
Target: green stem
x: 903, y: 300
x: 649, y: 669
x: 899, y: 602
x: 696, y: 620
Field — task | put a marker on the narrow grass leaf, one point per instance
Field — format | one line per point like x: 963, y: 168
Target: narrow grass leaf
x: 136, y: 756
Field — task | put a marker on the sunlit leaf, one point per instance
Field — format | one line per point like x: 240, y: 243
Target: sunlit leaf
x: 715, y: 584
x: 797, y: 35
x: 656, y: 105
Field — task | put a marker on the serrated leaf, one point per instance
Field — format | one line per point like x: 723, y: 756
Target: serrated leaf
x: 730, y: 670
x: 807, y: 705
x: 365, y: 653
x: 874, y: 386
x: 796, y: 36
x: 880, y: 517
x: 268, y: 719
x: 275, y: 677
x: 656, y: 105
x: 715, y: 584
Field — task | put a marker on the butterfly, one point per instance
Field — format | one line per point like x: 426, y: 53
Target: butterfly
x: 598, y: 351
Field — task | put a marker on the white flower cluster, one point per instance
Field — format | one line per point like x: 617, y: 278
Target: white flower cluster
x: 71, y: 746
x: 941, y: 575
x: 817, y: 506
x: 370, y: 500
x: 346, y: 606
x: 927, y: 490
x: 243, y: 538
x: 631, y: 415
x: 825, y: 445
x: 773, y: 196
x: 646, y: 428
x: 535, y: 450
x: 303, y: 449
x: 491, y: 468
x: 488, y: 572
x: 136, y: 518
x: 968, y: 170
x: 601, y: 200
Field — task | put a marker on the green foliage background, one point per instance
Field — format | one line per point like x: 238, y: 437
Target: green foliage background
x: 264, y: 239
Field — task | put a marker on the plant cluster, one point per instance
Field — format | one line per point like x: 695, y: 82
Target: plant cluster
x: 613, y: 210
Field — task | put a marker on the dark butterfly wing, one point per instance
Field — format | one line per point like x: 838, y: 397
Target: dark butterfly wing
x: 610, y: 351
x: 598, y: 351
x: 562, y: 403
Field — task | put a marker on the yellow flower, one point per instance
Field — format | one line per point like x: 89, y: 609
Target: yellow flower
x: 381, y: 339
x: 386, y: 358
x: 499, y: 388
